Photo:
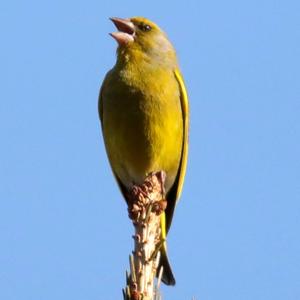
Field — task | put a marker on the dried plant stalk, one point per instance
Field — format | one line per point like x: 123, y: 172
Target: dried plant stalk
x: 145, y: 205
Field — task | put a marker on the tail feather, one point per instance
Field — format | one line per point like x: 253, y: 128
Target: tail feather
x: 167, y: 276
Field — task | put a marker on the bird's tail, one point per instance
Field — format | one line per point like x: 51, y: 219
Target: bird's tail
x: 167, y: 276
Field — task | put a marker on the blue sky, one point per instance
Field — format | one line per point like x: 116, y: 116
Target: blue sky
x: 63, y: 225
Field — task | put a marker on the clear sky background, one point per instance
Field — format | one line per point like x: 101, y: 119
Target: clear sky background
x: 64, y: 231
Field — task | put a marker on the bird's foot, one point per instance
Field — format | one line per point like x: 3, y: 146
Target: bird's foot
x: 159, y: 206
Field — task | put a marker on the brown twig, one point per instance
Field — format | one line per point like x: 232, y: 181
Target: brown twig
x: 145, y: 205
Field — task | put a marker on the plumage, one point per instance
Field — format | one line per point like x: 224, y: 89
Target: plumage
x: 143, y: 108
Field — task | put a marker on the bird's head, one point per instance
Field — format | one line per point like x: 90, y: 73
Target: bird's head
x: 139, y: 35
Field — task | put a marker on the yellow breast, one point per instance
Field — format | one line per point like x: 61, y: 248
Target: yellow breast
x: 142, y: 125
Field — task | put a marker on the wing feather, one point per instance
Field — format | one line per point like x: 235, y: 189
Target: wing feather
x: 176, y: 189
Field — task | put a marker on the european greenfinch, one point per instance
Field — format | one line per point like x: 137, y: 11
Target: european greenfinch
x: 143, y: 109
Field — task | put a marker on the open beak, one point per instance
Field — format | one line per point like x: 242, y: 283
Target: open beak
x: 125, y: 31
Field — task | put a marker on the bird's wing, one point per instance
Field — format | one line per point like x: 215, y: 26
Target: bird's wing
x: 100, y: 111
x: 175, y: 191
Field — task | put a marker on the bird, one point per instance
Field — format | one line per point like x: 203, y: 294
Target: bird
x: 144, y: 115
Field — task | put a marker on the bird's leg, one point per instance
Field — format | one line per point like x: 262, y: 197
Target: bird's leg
x: 161, y: 205
x: 161, y: 176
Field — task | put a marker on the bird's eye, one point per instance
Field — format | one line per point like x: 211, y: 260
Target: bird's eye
x: 145, y: 27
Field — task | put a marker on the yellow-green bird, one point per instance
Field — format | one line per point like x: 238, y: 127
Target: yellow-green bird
x: 143, y: 108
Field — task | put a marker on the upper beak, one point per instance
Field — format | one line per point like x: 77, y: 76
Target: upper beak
x: 126, y: 30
